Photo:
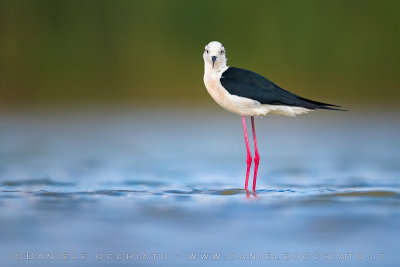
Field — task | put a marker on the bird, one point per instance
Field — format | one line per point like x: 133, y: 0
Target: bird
x: 250, y: 94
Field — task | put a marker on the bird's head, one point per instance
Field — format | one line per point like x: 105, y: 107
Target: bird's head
x: 214, y: 56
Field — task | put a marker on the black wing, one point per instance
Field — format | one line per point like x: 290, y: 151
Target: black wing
x: 251, y: 85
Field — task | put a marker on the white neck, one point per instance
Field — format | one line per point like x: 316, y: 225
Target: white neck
x: 217, y: 69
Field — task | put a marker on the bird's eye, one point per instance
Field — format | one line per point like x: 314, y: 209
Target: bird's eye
x: 222, y: 52
x: 207, y: 51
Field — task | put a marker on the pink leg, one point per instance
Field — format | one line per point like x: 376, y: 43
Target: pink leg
x: 248, y: 160
x: 256, y: 155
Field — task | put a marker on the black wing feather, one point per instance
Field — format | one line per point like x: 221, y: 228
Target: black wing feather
x: 251, y: 85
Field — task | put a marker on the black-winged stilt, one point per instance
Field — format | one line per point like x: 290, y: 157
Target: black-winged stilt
x: 247, y: 93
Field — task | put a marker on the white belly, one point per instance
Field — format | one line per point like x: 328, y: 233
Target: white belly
x: 241, y: 105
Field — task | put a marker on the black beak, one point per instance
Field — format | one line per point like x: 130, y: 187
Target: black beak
x: 213, y: 60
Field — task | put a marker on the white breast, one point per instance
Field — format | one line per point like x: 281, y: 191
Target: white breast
x: 236, y: 104
x: 241, y: 105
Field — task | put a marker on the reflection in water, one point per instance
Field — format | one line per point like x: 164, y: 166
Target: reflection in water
x: 99, y: 184
x: 264, y: 195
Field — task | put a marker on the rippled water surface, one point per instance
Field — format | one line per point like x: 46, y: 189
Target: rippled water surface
x: 113, y: 184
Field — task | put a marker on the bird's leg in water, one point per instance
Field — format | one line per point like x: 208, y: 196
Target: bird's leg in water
x: 249, y: 159
x: 256, y: 155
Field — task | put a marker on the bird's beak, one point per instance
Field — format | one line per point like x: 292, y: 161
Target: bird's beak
x: 213, y: 60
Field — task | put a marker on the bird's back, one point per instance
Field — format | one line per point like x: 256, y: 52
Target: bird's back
x: 248, y: 84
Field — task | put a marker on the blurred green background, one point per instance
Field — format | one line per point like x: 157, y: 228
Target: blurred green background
x: 131, y: 52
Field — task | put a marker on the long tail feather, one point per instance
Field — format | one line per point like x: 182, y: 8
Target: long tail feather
x: 316, y: 102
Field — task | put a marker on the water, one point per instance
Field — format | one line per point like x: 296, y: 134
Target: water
x: 127, y: 184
